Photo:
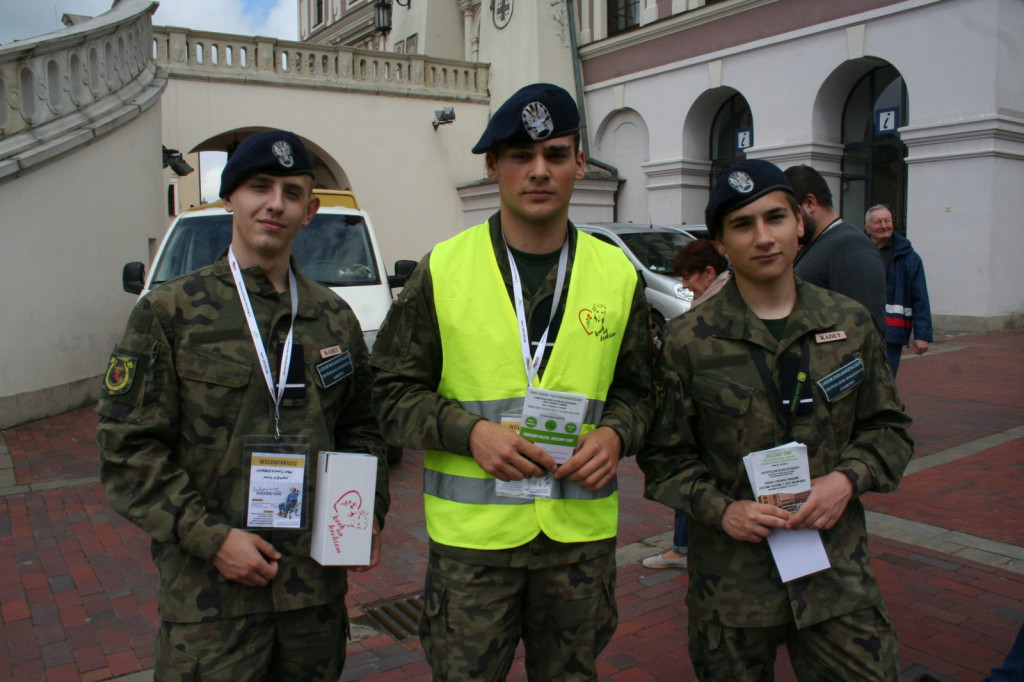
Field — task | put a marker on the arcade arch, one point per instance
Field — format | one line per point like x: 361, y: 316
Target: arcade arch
x: 329, y: 173
x: 871, y: 165
x: 732, y: 133
x: 623, y: 141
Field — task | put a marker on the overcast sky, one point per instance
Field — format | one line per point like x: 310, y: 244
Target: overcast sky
x: 21, y: 19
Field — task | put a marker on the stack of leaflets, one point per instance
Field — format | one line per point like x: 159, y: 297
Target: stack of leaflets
x: 781, y: 476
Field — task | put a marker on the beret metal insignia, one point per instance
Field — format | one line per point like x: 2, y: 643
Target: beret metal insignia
x: 537, y: 120
x: 741, y: 182
x: 283, y: 151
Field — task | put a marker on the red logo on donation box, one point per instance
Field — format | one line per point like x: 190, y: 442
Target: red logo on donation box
x: 348, y: 513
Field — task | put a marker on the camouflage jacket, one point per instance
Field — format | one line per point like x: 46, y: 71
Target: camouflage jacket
x: 714, y: 409
x: 188, y: 389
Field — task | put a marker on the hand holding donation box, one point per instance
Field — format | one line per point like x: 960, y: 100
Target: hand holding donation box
x: 551, y: 420
x: 781, y: 476
x: 346, y: 488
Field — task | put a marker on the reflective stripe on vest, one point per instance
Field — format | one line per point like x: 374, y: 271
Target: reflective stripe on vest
x: 483, y: 371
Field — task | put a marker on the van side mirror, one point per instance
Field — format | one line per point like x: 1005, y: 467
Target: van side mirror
x: 403, y: 269
x: 133, y: 277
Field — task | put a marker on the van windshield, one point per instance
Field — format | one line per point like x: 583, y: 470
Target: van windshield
x: 333, y: 249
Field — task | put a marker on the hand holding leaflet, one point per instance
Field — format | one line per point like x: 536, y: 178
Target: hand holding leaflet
x: 780, y: 476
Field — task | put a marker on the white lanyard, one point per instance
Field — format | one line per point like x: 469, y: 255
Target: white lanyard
x: 533, y: 363
x: 257, y: 339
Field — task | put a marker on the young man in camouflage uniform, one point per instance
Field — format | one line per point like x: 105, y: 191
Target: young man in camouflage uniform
x: 770, y: 360
x: 454, y: 361
x: 196, y: 373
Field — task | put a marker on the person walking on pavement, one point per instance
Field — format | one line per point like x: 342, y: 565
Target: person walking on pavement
x: 767, y: 361
x: 906, y: 303
x: 835, y: 254
x: 239, y: 359
x: 510, y: 324
x: 704, y: 271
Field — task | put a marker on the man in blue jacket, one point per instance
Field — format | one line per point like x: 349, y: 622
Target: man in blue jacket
x: 906, y: 300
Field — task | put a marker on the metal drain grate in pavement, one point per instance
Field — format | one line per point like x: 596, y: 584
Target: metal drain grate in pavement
x: 399, y: 616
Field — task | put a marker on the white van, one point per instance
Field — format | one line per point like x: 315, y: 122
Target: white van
x: 338, y: 249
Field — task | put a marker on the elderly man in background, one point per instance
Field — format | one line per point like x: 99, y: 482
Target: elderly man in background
x: 906, y: 301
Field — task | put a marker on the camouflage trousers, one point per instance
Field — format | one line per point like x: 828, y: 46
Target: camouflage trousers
x: 474, y: 617
x: 305, y: 644
x: 855, y: 647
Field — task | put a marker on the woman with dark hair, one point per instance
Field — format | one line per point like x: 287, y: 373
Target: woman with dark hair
x: 703, y: 268
x: 704, y: 271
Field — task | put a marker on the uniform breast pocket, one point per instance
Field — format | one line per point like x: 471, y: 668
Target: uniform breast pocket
x: 720, y: 394
x: 724, y: 407
x: 212, y: 388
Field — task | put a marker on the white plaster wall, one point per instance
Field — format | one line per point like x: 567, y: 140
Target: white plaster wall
x: 402, y: 171
x: 623, y: 142
x: 533, y: 47
x: 68, y: 228
x: 961, y: 62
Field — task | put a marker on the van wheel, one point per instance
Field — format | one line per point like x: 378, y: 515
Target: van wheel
x: 394, y: 454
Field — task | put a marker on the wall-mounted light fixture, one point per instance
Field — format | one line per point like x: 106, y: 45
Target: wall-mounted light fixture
x: 382, y: 16
x: 443, y: 116
x: 172, y: 158
x: 382, y: 11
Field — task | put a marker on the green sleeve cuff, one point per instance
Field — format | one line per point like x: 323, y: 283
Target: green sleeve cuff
x: 204, y: 537
x: 858, y: 473
x: 455, y: 428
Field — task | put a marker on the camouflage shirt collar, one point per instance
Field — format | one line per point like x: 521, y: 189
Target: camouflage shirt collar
x: 258, y: 284
x: 732, y: 318
x: 498, y: 244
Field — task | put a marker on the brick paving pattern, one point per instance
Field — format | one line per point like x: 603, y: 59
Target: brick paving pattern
x: 77, y: 587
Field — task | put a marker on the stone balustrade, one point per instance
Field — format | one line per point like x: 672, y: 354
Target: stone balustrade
x: 62, y: 90
x: 187, y: 53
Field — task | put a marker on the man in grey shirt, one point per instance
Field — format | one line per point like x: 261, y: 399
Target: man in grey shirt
x: 835, y: 254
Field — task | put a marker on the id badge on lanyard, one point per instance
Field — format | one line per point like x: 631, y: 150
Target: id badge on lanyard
x: 551, y: 419
x: 277, y: 467
x: 276, y: 463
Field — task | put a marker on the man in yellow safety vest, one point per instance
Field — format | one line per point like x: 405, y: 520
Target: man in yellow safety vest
x: 518, y: 357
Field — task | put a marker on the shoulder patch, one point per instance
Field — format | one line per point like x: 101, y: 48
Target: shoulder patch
x: 120, y: 374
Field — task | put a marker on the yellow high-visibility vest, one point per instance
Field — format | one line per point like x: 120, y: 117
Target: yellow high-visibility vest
x: 483, y: 370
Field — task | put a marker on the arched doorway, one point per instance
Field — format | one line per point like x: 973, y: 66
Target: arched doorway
x: 874, y: 170
x: 732, y: 133
x: 623, y: 140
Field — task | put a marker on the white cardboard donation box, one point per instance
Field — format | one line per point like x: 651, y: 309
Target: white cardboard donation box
x: 346, y: 484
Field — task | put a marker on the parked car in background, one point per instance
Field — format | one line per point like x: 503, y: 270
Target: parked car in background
x: 338, y: 248
x: 695, y: 231
x: 651, y: 249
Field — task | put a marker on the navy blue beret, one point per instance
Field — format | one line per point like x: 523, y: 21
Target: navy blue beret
x: 275, y: 152
x: 742, y: 184
x: 536, y: 112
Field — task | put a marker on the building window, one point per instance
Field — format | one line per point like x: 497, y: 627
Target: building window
x: 318, y: 12
x: 732, y: 132
x: 874, y: 170
x: 623, y: 15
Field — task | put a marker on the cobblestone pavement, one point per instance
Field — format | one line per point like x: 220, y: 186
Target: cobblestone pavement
x: 77, y: 587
